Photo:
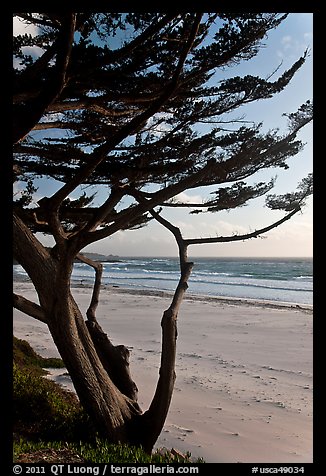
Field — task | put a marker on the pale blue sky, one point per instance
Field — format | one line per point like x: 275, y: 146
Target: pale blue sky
x: 294, y: 238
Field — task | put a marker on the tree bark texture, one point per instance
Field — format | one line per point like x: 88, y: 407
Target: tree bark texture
x: 98, y: 369
x: 110, y: 409
x: 154, y: 418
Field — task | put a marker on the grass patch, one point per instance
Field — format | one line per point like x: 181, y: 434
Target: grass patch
x: 51, y: 426
x: 26, y: 357
x: 43, y: 410
x: 98, y: 451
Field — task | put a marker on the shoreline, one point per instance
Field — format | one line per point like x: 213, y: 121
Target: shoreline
x: 243, y: 391
x: 230, y: 300
x: 218, y: 299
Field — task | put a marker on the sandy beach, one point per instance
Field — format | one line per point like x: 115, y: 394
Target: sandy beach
x: 244, y: 371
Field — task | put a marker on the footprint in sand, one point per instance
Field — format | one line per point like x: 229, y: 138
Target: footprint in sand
x: 187, y: 430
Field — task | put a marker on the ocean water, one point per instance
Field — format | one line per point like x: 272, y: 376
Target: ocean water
x: 287, y: 280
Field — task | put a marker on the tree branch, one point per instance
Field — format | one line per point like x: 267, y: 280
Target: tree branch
x: 102, y: 212
x: 185, y: 205
x: 33, y: 256
x: 28, y: 115
x: 97, y: 285
x: 178, y: 237
x: 156, y: 414
x: 254, y: 234
x: 124, y: 217
x: 115, y: 359
x: 141, y: 38
x: 100, y: 153
x: 29, y: 307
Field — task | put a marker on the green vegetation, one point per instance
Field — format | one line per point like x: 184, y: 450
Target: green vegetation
x: 43, y: 410
x: 100, y: 451
x: 49, y: 421
x: 25, y: 356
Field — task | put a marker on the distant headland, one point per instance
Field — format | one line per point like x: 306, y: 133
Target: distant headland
x: 103, y: 258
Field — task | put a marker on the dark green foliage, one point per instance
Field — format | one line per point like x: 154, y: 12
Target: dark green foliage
x: 26, y: 357
x: 42, y: 410
x: 301, y: 116
x: 121, y: 67
x: 291, y: 201
x: 235, y: 196
x: 26, y: 195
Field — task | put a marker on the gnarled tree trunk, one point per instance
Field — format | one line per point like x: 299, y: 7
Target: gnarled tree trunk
x: 110, y: 409
x: 99, y: 370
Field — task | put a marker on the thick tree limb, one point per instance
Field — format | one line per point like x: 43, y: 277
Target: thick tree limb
x: 115, y: 360
x: 29, y: 307
x: 32, y: 255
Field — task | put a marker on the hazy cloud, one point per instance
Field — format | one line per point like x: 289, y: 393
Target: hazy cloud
x: 21, y: 28
x: 293, y: 231
x: 185, y: 198
x: 292, y: 47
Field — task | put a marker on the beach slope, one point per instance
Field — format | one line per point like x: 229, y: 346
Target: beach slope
x: 243, y: 391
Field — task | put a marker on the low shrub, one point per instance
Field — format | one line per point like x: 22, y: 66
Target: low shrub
x: 43, y: 410
x: 51, y: 425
